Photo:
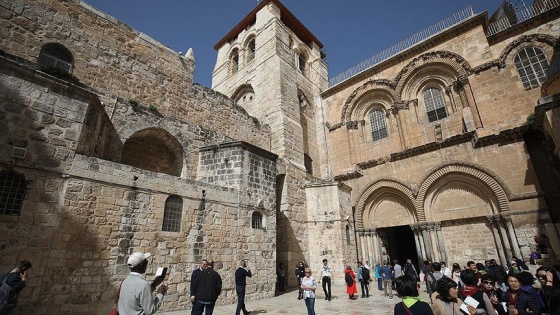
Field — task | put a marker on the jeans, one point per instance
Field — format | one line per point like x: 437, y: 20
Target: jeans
x: 380, y: 284
x: 199, y: 307
x: 240, y: 289
x: 281, y: 283
x: 388, y: 287
x: 310, y: 304
x: 327, y: 285
x: 364, y: 283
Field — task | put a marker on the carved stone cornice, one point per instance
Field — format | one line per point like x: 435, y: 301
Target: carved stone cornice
x: 352, y: 125
x: 333, y: 127
x: 504, y: 137
x: 524, y: 196
x: 399, y: 105
x: 461, y: 81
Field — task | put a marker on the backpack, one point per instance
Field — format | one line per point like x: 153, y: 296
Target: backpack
x: 348, y: 278
x: 365, y: 274
x: 433, y: 284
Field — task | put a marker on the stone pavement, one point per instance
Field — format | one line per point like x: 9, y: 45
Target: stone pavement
x: 288, y: 303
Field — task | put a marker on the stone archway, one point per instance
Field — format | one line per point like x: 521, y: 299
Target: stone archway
x: 383, y: 208
x: 154, y: 149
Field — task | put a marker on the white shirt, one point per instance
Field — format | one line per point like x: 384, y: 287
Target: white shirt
x: 326, y: 271
x: 308, y: 282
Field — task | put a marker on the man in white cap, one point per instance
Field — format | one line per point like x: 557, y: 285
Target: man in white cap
x: 136, y: 293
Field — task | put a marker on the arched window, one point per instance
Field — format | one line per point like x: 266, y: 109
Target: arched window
x: 435, y: 105
x: 172, y: 214
x: 54, y: 55
x: 257, y: 220
x: 251, y: 50
x: 531, y: 66
x: 378, y: 126
x: 234, y: 59
x: 301, y: 60
x: 12, y: 192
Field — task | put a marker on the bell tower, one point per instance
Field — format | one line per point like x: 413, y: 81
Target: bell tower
x: 274, y: 68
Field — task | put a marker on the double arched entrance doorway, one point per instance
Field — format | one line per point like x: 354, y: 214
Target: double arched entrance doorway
x: 457, y: 212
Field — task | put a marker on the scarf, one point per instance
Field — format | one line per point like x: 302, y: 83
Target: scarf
x: 469, y: 290
x: 410, y: 300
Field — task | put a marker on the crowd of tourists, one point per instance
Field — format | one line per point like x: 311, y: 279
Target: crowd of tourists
x: 479, y: 289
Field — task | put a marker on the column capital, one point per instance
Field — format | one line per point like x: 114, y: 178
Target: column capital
x: 462, y: 81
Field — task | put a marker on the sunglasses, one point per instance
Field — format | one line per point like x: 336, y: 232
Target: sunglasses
x: 488, y: 282
x: 308, y: 272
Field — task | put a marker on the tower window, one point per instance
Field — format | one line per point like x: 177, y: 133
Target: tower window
x: 531, y: 66
x: 301, y: 62
x: 435, y: 106
x: 234, y: 61
x: 172, y: 214
x: 12, y: 192
x: 251, y: 50
x: 55, y: 56
x: 378, y: 126
x: 257, y: 220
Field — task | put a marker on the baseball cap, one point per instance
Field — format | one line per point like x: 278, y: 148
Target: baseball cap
x: 136, y: 258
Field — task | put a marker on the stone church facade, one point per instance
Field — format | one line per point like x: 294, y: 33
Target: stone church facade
x: 446, y: 150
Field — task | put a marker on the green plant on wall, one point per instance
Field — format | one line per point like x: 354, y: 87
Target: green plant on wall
x: 152, y: 107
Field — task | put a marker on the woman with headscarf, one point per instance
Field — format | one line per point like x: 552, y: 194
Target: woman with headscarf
x: 407, y: 289
x: 351, y: 288
x: 447, y: 301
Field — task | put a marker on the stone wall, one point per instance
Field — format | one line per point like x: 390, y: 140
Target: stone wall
x: 468, y: 240
x: 115, y: 60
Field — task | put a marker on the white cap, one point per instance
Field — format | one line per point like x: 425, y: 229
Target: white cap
x: 136, y: 258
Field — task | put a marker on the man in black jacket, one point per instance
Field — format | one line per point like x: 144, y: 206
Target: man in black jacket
x: 16, y: 281
x: 207, y: 288
x: 203, y: 265
x: 241, y: 275
x: 498, y: 272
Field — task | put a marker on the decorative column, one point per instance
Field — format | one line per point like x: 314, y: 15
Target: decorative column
x: 369, y: 255
x: 492, y: 222
x: 465, y: 91
x: 433, y: 241
x: 512, y: 236
x: 441, y: 242
x: 505, y: 239
x: 375, y: 251
x: 419, y: 242
x: 361, y: 235
x: 426, y: 238
x: 397, y: 106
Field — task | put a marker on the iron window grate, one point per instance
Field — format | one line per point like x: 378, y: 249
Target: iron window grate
x: 12, y: 193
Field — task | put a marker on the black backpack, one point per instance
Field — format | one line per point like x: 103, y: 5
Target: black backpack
x: 348, y: 278
x: 433, y: 284
x: 365, y: 273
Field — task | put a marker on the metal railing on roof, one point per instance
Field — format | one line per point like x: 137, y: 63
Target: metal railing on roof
x: 403, y: 45
x: 521, y: 14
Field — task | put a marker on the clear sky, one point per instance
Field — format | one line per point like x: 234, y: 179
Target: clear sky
x: 350, y: 30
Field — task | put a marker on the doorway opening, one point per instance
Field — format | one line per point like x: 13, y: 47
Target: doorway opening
x: 399, y: 244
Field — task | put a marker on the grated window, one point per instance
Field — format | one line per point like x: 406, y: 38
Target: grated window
x: 12, y: 192
x: 435, y: 106
x: 172, y: 214
x: 531, y: 66
x: 378, y: 126
x: 257, y: 220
